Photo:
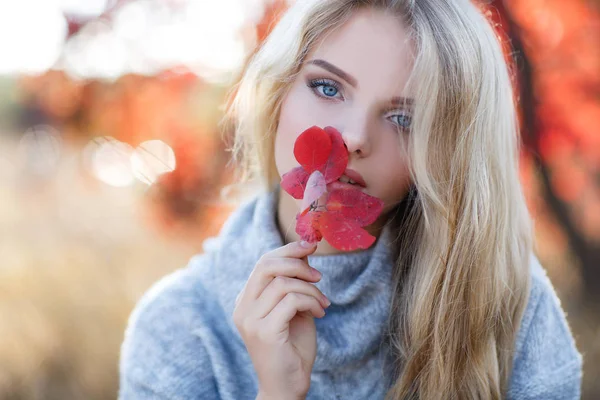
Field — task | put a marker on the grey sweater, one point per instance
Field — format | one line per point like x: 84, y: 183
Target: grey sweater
x: 181, y: 342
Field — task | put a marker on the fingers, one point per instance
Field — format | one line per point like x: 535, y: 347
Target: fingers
x: 292, y: 249
x: 279, y: 287
x: 278, y: 320
x: 283, y: 261
x: 289, y: 263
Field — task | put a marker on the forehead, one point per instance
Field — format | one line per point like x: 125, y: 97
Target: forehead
x: 372, y: 46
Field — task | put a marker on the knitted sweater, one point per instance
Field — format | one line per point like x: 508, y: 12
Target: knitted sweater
x: 181, y: 342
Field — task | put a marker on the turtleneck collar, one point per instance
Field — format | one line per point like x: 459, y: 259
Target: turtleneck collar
x: 359, y: 284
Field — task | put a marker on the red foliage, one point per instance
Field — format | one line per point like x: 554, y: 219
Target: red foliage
x: 331, y: 209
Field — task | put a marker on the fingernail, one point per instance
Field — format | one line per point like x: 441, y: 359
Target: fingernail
x: 315, y: 272
x: 326, y: 300
x: 306, y: 244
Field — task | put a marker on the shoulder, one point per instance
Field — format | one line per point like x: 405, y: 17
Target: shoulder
x: 160, y: 353
x: 547, y: 363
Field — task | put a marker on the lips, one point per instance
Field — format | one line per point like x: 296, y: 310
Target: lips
x: 356, y: 177
x: 337, y: 185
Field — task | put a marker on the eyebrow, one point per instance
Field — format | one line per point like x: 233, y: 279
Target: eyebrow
x: 395, y: 101
x: 400, y: 101
x: 335, y: 70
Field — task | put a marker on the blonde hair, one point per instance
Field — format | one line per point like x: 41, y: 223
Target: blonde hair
x: 463, y: 234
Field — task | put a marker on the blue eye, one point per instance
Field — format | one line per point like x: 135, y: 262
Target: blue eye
x: 329, y: 88
x: 329, y: 91
x: 403, y: 120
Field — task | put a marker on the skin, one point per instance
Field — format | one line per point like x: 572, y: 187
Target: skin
x: 374, y: 49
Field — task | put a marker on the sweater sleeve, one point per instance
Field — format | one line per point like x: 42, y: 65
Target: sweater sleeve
x: 547, y: 364
x: 161, y: 357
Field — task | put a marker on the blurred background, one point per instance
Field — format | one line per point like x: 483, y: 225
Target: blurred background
x: 112, y: 159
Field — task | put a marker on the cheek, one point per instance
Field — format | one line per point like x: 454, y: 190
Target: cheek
x: 394, y: 180
x: 298, y: 113
x: 289, y: 128
x: 284, y: 150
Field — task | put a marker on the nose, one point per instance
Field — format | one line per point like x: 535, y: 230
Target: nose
x: 357, y: 141
x: 356, y: 126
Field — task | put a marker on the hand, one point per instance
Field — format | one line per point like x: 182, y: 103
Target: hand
x: 274, y: 314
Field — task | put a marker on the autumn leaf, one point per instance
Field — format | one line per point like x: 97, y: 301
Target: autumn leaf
x: 320, y: 150
x: 340, y: 219
x: 330, y: 209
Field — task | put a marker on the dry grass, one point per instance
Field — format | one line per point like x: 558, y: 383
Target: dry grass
x: 76, y: 256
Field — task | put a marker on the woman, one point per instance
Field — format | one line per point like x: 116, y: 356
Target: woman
x: 450, y: 301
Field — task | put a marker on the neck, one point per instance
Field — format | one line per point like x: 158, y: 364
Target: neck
x: 287, y: 208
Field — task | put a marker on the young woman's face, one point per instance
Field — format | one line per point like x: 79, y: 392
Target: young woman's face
x: 349, y: 81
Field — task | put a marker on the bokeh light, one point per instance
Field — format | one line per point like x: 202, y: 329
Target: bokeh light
x: 151, y: 159
x: 109, y: 160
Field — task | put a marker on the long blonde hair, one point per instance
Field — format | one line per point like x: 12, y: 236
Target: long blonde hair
x: 464, y: 234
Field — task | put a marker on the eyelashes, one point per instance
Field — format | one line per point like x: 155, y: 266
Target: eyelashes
x: 323, y: 83
x: 405, y: 121
x: 328, y: 89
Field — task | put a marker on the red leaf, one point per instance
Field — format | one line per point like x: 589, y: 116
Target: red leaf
x: 330, y: 209
x: 307, y: 226
x: 355, y: 205
x: 294, y: 182
x: 312, y: 149
x: 343, y: 233
x: 340, y: 232
x: 338, y: 159
x: 341, y: 219
x: 316, y: 149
